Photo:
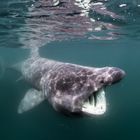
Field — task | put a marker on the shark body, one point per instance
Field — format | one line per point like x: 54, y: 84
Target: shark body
x: 68, y: 87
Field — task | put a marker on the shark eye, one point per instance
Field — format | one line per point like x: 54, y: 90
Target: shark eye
x: 102, y: 81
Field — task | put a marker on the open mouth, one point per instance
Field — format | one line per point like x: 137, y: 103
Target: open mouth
x: 96, y: 103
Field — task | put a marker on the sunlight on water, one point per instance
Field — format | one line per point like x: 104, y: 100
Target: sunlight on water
x: 39, y: 22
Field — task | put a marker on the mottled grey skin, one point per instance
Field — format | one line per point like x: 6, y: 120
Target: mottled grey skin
x: 67, y: 86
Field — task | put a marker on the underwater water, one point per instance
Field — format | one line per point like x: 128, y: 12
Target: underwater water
x: 102, y: 33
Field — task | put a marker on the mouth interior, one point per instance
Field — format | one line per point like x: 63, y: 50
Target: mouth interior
x: 96, y: 103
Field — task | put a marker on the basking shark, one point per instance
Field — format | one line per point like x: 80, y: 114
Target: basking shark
x: 68, y: 87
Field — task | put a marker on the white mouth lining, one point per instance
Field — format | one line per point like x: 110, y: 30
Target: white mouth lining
x: 97, y: 107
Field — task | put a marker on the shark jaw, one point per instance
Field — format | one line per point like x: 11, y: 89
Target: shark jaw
x: 95, y: 104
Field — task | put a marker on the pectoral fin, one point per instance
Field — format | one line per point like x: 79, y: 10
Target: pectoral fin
x: 31, y: 99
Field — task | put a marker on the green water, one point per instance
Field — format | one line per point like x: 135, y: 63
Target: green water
x: 120, y: 122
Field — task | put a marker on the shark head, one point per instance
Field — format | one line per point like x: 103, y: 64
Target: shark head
x: 96, y: 102
x: 82, y: 89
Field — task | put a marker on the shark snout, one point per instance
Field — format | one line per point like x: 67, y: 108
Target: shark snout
x: 117, y: 74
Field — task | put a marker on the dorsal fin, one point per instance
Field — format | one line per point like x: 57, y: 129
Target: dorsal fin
x: 34, y: 52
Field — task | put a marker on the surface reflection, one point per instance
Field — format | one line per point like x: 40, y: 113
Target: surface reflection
x: 56, y: 20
